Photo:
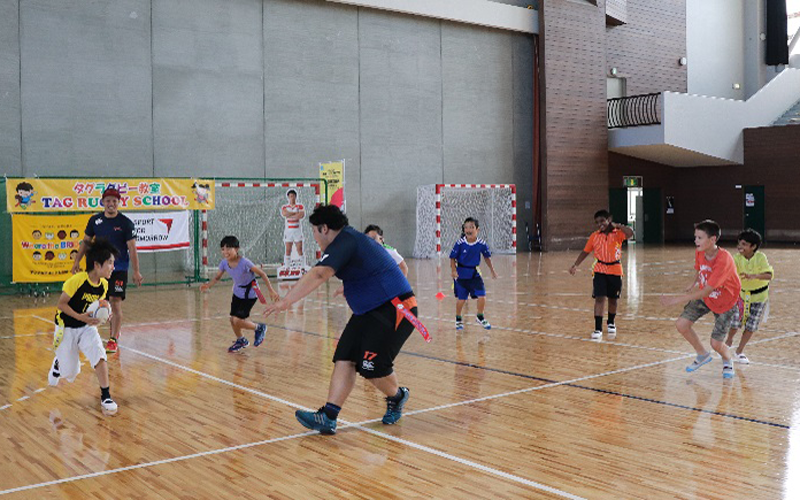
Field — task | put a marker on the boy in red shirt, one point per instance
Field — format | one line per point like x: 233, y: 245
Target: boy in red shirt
x: 718, y: 292
x: 606, y: 243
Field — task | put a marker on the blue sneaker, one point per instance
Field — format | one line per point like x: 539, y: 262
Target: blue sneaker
x: 727, y: 371
x: 484, y: 323
x: 239, y: 344
x: 261, y: 332
x: 459, y: 325
x: 394, y: 409
x: 316, y: 421
x: 697, y: 363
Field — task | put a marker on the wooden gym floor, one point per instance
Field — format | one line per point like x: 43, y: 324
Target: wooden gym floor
x: 531, y: 409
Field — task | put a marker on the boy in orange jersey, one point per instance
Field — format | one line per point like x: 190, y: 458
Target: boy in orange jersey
x: 606, y: 243
x: 718, y: 288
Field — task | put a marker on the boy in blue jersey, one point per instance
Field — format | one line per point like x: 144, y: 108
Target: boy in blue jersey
x: 467, y: 281
x: 112, y: 225
x: 76, y: 331
x: 377, y: 330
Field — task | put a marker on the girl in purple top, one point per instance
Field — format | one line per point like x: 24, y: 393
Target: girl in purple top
x: 244, y: 273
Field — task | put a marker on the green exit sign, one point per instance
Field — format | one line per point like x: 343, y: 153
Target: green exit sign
x: 632, y: 181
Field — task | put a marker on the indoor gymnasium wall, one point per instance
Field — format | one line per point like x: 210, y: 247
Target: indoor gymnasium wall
x: 770, y: 160
x: 244, y: 88
x: 574, y: 139
x: 85, y: 88
x: 646, y: 51
x: 698, y: 192
x: 10, y: 152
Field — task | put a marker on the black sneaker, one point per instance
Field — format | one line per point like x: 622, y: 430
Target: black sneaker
x: 54, y: 375
x: 394, y: 409
x: 239, y: 344
x: 261, y: 332
x: 317, y: 421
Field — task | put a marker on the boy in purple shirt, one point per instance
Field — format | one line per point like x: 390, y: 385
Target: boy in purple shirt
x: 243, y: 272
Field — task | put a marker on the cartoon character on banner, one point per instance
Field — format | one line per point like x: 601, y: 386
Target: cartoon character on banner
x: 202, y: 192
x: 24, y: 194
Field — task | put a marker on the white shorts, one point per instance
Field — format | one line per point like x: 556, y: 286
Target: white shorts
x: 72, y: 342
x: 293, y: 235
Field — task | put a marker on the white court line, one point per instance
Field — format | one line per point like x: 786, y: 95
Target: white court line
x: 7, y: 337
x: 323, y: 305
x: 441, y: 454
x: 151, y: 464
x: 359, y: 425
x: 552, y: 384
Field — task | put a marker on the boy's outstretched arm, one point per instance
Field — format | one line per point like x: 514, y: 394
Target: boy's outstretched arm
x: 577, y: 263
x: 491, y: 267
x: 273, y: 295
x: 205, y: 286
x: 671, y: 300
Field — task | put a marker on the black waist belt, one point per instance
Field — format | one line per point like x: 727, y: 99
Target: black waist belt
x: 247, y: 289
x: 608, y: 263
x: 757, y: 290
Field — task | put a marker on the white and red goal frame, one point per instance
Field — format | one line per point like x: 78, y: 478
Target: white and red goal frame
x: 204, y: 213
x: 432, y: 199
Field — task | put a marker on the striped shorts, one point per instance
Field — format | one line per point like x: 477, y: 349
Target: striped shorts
x: 752, y: 318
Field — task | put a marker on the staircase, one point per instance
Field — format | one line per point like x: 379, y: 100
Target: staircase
x: 791, y: 117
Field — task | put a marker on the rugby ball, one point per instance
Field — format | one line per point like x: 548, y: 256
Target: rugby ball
x: 100, y: 309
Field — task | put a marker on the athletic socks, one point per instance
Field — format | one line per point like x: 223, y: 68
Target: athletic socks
x: 458, y: 318
x: 480, y: 317
x: 611, y: 318
x: 105, y: 393
x: 331, y: 410
x: 598, y: 323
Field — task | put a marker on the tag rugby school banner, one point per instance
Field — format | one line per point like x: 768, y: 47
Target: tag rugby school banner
x: 81, y: 195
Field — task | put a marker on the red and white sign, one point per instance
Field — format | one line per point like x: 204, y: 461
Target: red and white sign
x: 161, y: 231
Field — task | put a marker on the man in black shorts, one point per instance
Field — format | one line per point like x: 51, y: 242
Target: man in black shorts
x: 112, y: 225
x: 377, y: 330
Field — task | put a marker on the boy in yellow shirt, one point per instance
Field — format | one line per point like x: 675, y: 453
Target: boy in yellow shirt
x: 754, y: 270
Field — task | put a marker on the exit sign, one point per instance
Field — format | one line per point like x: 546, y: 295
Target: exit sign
x: 632, y: 181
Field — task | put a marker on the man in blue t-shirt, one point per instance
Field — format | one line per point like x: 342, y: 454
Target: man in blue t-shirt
x: 112, y: 225
x: 377, y: 330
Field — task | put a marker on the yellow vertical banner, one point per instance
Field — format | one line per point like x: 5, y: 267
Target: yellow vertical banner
x: 44, y: 246
x: 333, y: 173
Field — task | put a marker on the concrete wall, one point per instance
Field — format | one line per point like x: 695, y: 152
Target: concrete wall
x: 249, y: 88
x: 715, y: 46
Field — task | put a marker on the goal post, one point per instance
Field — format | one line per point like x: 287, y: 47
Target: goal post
x: 251, y: 211
x: 442, y: 208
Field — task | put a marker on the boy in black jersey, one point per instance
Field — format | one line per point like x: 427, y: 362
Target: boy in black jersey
x: 76, y: 331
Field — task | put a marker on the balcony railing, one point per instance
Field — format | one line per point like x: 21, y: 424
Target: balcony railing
x: 634, y: 111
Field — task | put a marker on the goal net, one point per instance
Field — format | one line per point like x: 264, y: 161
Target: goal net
x: 442, y: 208
x: 251, y: 211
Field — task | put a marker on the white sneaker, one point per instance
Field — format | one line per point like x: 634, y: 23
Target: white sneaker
x: 484, y: 323
x: 53, y: 376
x: 109, y: 406
x: 740, y: 358
x: 612, y: 331
x: 597, y: 335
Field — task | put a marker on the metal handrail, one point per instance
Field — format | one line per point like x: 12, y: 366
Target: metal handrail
x: 634, y: 111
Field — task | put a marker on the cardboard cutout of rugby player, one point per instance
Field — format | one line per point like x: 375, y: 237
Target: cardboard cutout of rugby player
x: 293, y: 266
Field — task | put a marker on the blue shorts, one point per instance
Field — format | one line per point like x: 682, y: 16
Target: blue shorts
x: 466, y: 288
